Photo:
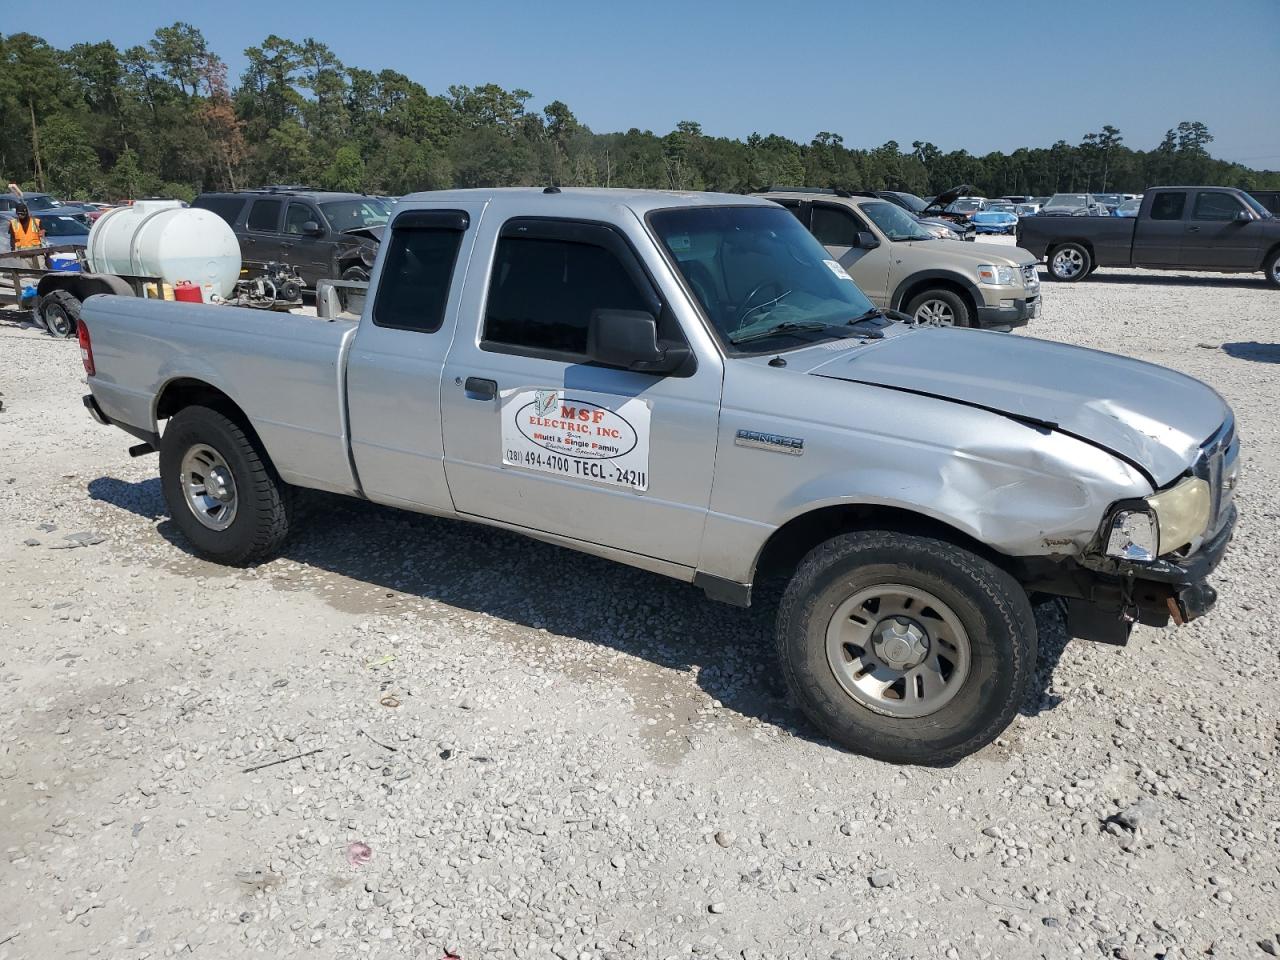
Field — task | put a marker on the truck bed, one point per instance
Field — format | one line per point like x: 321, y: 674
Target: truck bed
x: 1110, y: 238
x: 284, y: 370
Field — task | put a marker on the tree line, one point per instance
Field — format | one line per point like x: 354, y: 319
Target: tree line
x: 164, y: 118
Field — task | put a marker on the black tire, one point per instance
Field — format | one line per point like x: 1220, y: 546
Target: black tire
x: 353, y: 302
x: 263, y: 501
x: 1069, y: 262
x: 60, y: 313
x: 991, y: 606
x: 1271, y: 268
x: 960, y: 311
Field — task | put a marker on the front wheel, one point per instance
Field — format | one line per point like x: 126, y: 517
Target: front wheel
x: 1070, y: 262
x: 1272, y: 269
x: 905, y: 648
x: 939, y: 308
x: 222, y: 491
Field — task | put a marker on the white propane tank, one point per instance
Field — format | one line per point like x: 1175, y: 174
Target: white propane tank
x: 162, y: 238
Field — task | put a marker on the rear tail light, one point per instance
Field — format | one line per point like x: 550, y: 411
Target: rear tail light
x: 86, y: 348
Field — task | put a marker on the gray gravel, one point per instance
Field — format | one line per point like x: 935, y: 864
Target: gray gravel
x: 550, y: 756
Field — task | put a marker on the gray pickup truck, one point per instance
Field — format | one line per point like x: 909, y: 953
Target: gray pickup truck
x: 690, y: 384
x: 1177, y: 228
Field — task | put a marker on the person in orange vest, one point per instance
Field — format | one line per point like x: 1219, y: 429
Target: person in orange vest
x: 24, y: 230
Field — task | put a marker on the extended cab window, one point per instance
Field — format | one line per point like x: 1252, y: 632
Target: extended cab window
x: 1168, y: 206
x: 414, y: 287
x: 543, y: 292
x: 265, y: 216
x: 1215, y: 206
x: 834, y: 226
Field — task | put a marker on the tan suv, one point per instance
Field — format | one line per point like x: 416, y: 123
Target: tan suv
x: 900, y: 266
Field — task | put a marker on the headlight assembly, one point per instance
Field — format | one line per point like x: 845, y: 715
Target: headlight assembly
x: 997, y: 276
x: 1170, y: 520
x: 1182, y: 512
x: 1134, y: 535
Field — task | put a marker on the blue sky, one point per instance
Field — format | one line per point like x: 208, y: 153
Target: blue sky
x: 973, y: 74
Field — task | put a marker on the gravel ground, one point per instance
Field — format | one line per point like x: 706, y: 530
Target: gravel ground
x: 539, y: 770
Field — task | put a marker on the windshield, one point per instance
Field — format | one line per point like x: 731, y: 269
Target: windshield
x: 760, y: 276
x: 353, y: 214
x: 40, y: 202
x: 63, y: 227
x: 965, y: 206
x: 1129, y: 205
x: 1255, y: 206
x: 1068, y: 200
x: 894, y: 222
x: 912, y: 202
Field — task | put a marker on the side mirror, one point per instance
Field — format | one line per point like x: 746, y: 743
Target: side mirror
x: 867, y: 240
x: 312, y: 229
x: 1243, y: 216
x: 629, y: 339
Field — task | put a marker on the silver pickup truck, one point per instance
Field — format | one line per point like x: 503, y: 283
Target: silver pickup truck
x: 688, y: 383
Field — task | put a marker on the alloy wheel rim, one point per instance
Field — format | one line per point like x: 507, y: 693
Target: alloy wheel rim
x: 936, y: 313
x: 898, y: 650
x: 209, y: 487
x: 1067, y: 263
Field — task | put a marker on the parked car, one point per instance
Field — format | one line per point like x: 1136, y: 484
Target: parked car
x: 942, y: 205
x: 42, y: 203
x: 1073, y: 205
x: 993, y: 220
x: 323, y: 234
x: 1109, y: 200
x: 1027, y: 209
x: 940, y: 227
x: 901, y: 267
x: 966, y: 206
x: 1127, y: 208
x: 689, y: 384
x: 1177, y: 228
x: 63, y: 230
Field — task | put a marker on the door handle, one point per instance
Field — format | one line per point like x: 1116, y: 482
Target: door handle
x: 1193, y: 229
x: 477, y: 388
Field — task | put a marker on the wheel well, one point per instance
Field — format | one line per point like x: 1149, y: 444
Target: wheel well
x: 1064, y: 241
x: 82, y: 286
x: 787, y: 546
x: 1269, y: 254
x: 185, y: 392
x: 939, y: 283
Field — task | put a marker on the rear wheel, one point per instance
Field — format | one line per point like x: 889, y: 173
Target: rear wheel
x: 1070, y: 262
x: 221, y: 489
x: 939, y: 308
x: 59, y: 313
x: 906, y: 648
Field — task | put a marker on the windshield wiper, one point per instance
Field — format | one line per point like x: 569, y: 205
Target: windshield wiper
x: 786, y: 326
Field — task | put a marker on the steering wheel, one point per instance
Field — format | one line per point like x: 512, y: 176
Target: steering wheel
x: 746, y: 307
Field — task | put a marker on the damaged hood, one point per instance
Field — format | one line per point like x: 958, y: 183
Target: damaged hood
x: 368, y: 233
x: 1150, y: 416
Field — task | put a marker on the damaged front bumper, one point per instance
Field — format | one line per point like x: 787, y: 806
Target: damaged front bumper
x: 1106, y: 596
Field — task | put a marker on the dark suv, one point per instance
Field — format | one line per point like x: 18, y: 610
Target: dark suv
x: 325, y: 235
